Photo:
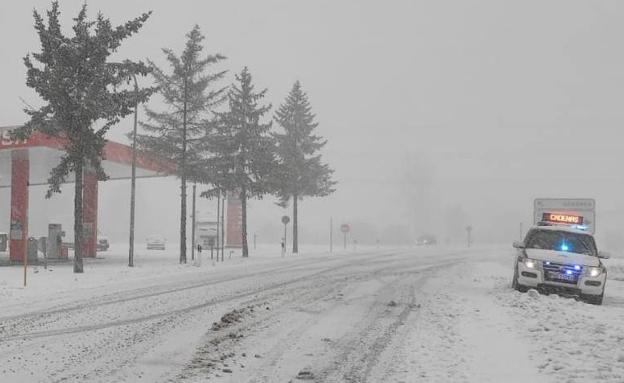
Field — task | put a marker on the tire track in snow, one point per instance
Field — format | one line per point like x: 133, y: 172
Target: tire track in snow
x: 136, y: 335
x: 352, y: 356
x: 148, y: 292
x: 158, y: 315
x: 308, y: 290
x: 358, y: 352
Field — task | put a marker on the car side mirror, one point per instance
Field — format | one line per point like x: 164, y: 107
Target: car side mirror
x: 518, y: 245
x: 604, y: 255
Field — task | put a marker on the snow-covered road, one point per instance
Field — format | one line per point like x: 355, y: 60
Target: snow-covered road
x: 425, y: 314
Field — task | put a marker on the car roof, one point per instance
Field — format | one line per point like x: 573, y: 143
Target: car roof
x: 564, y: 228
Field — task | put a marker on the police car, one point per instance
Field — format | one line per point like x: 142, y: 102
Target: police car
x: 559, y: 255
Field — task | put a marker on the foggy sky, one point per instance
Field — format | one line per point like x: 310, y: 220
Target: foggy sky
x: 495, y: 102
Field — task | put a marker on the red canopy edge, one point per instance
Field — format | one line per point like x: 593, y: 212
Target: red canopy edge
x: 113, y: 151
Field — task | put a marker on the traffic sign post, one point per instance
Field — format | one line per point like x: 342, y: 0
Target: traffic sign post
x: 345, y: 228
x: 331, y: 235
x: 285, y: 221
x: 211, y: 242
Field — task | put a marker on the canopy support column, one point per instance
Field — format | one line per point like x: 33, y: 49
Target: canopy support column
x: 90, y: 212
x: 20, y: 173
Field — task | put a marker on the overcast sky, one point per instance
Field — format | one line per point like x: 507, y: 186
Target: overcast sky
x: 488, y: 104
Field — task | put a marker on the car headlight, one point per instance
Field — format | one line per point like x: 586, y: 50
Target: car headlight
x: 530, y: 263
x: 594, y: 271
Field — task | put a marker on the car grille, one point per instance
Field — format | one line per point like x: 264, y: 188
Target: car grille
x: 559, y: 268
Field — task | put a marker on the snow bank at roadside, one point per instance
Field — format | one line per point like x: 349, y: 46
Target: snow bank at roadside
x: 572, y: 341
x: 471, y: 326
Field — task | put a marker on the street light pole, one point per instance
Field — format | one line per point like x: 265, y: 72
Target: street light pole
x: 194, y: 223
x: 133, y: 179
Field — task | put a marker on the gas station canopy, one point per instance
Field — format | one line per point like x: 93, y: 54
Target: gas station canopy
x: 45, y: 152
x: 28, y: 163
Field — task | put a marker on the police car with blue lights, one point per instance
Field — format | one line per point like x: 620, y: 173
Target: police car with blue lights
x: 559, y: 254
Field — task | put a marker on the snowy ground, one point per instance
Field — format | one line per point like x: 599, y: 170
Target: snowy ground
x: 379, y: 315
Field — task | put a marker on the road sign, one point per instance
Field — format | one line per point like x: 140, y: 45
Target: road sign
x: 345, y: 228
x: 285, y: 219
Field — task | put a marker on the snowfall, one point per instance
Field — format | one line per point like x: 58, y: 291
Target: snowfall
x: 422, y: 314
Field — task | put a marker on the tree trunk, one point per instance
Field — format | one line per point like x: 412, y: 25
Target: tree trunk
x: 78, y: 268
x: 183, y: 184
x: 183, y: 221
x: 193, y: 223
x: 243, y: 197
x: 223, y: 224
x: 295, y: 227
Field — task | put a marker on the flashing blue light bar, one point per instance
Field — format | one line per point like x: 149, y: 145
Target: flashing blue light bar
x: 577, y: 267
x: 564, y: 247
x: 569, y: 272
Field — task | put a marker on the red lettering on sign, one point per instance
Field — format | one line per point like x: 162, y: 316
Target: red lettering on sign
x: 563, y: 218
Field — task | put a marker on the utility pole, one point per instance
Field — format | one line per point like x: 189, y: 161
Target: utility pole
x: 469, y: 232
x: 193, y: 222
x: 133, y: 177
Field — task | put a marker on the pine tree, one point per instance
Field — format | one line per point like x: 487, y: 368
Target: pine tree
x: 175, y: 133
x: 242, y: 147
x: 82, y: 96
x: 300, y: 171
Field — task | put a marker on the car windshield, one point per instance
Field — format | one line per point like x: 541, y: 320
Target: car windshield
x: 561, y: 241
